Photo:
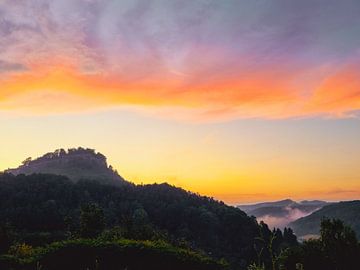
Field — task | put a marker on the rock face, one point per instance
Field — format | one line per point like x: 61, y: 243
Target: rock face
x: 76, y: 163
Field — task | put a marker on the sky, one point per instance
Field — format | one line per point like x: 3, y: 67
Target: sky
x: 245, y: 101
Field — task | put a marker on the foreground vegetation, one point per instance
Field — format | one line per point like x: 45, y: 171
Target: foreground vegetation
x: 336, y: 249
x: 40, y: 209
x: 98, y: 254
x: 49, y: 222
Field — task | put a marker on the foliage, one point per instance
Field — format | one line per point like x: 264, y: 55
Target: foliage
x: 270, y: 244
x: 21, y: 250
x: 254, y: 266
x: 337, y: 248
x: 122, y: 254
x: 5, y: 241
x: 91, y: 221
x: 50, y: 207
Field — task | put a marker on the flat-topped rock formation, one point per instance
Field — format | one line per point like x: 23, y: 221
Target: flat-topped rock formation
x: 75, y: 163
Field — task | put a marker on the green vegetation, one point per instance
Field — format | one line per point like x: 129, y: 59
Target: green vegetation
x: 269, y: 246
x: 336, y: 249
x: 50, y: 222
x: 95, y: 254
x: 40, y: 209
x: 92, y: 221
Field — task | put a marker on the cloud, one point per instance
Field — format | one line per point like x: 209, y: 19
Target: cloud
x: 6, y: 67
x: 338, y: 93
x: 284, y: 221
x: 343, y: 191
x: 197, y: 60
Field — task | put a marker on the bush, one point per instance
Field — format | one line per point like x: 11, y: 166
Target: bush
x: 122, y: 254
x: 21, y: 250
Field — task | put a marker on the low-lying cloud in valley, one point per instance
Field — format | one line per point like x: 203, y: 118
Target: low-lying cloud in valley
x: 284, y: 221
x: 280, y: 214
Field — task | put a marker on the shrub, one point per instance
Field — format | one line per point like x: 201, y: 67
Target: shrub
x: 117, y: 255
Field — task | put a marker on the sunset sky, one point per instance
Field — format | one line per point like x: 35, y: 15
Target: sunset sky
x: 246, y: 100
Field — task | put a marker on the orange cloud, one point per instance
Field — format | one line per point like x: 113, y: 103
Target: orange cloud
x: 271, y: 93
x: 339, y: 94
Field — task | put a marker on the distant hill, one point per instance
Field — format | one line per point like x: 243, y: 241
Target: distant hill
x: 76, y: 163
x: 281, y: 213
x: 251, y: 207
x: 349, y: 212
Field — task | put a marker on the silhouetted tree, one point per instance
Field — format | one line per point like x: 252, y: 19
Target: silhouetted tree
x: 4, y: 239
x: 91, y: 221
x: 46, y: 208
x: 289, y: 238
x: 339, y: 244
x: 336, y: 249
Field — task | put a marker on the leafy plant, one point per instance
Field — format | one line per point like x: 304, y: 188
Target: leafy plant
x: 21, y: 250
x: 254, y: 266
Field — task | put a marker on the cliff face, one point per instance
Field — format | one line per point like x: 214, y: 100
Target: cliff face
x: 76, y: 163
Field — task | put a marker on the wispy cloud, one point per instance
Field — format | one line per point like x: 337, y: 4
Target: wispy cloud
x: 340, y: 191
x: 203, y: 60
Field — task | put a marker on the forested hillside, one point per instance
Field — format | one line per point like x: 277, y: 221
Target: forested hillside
x: 74, y: 194
x: 40, y: 209
x: 349, y: 212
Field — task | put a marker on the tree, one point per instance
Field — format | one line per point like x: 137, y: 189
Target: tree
x: 92, y: 221
x: 336, y: 249
x: 290, y: 238
x: 143, y: 212
x: 339, y: 244
x: 4, y: 239
x: 27, y: 161
x: 267, y: 250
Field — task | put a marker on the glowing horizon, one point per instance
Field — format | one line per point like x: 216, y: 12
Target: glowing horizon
x: 248, y: 96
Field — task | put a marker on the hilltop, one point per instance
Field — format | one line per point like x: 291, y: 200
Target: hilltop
x: 75, y: 163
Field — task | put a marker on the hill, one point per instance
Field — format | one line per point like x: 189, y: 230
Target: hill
x: 41, y: 209
x: 348, y: 211
x: 74, y: 194
x: 76, y: 164
x: 281, y: 213
x: 251, y: 207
